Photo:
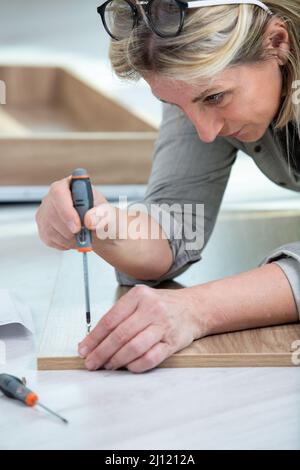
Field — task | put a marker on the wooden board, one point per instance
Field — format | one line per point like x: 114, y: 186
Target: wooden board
x: 65, y: 327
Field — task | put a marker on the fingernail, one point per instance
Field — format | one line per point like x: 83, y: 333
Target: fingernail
x: 72, y: 226
x: 108, y: 366
x: 83, y: 352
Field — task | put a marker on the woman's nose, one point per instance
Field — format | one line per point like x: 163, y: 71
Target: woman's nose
x: 208, y: 126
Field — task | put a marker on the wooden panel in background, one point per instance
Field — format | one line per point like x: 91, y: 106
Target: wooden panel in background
x: 54, y: 121
x: 109, y: 158
x: 93, y: 110
x: 54, y: 90
x: 28, y: 86
x: 65, y: 327
x: 8, y: 123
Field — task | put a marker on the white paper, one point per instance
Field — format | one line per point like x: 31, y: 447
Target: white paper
x: 13, y: 310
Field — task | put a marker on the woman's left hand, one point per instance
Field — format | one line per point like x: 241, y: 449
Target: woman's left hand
x: 144, y: 328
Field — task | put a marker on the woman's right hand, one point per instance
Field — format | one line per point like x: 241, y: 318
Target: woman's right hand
x: 56, y: 218
x: 139, y: 256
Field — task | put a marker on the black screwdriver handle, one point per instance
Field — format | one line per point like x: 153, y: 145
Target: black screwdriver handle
x: 83, y: 201
x: 13, y: 387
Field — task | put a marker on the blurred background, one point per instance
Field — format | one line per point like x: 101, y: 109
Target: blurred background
x: 63, y: 26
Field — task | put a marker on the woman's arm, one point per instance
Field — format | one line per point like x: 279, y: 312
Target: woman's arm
x: 148, y: 325
x: 256, y: 298
x: 131, y: 249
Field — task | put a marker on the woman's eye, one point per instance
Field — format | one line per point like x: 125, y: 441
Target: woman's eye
x: 215, y: 99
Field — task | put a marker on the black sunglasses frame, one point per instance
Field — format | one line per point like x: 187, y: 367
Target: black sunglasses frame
x: 146, y: 5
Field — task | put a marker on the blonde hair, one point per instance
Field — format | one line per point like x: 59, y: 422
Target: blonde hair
x: 213, y: 39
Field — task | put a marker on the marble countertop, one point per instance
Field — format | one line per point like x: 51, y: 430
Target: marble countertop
x: 162, y: 409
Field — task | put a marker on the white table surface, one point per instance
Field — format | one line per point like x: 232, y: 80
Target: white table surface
x: 163, y: 409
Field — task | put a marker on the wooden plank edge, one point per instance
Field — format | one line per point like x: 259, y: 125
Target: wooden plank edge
x: 185, y: 361
x: 229, y: 360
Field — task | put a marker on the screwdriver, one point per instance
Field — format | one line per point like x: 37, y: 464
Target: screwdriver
x: 83, y: 201
x: 13, y: 387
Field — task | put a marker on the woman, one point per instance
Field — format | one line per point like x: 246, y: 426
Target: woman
x: 228, y: 72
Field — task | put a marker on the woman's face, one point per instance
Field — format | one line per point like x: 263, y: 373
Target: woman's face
x: 243, y: 100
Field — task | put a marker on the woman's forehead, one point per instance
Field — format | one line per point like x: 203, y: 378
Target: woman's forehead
x: 166, y: 88
x: 228, y: 78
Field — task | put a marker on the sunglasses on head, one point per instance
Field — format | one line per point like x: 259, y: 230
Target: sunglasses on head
x: 164, y: 17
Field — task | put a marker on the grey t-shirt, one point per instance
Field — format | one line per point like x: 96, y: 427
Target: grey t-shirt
x: 188, y: 171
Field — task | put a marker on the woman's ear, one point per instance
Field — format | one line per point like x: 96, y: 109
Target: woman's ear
x: 277, y: 38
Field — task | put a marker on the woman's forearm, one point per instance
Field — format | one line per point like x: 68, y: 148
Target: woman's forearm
x: 257, y: 298
x: 134, y: 250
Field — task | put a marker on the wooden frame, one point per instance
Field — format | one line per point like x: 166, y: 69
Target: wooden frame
x: 53, y: 122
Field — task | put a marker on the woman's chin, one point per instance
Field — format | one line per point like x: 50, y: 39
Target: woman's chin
x: 250, y: 137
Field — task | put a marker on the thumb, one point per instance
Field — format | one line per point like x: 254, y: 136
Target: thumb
x: 103, y: 212
x: 91, y: 219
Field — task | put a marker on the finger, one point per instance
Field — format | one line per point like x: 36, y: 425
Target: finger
x: 62, y: 200
x: 56, y: 246
x: 59, y: 226
x: 118, y: 313
x: 94, y: 217
x: 98, y: 197
x: 55, y: 238
x: 136, y: 348
x: 118, y: 338
x: 157, y: 354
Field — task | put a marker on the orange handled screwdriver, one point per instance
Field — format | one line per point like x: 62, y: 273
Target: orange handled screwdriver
x: 12, y: 387
x: 83, y: 201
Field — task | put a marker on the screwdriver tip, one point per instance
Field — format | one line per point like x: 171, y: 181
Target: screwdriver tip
x: 64, y: 420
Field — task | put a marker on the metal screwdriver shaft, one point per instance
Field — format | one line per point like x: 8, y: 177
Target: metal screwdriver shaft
x: 87, y: 292
x: 64, y: 420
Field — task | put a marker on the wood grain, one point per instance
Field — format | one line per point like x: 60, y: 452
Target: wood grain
x: 65, y: 327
